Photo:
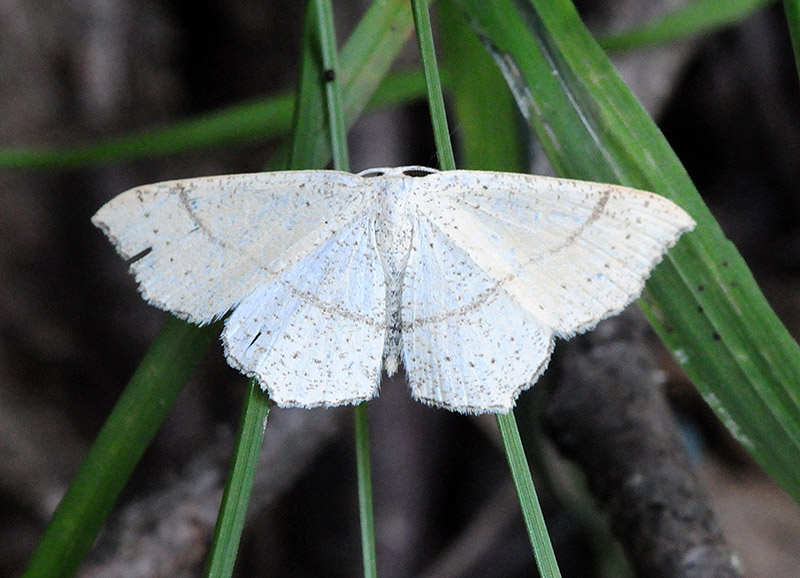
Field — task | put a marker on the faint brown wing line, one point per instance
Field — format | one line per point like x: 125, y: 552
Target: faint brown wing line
x: 491, y: 292
x: 195, y: 218
x: 597, y: 211
x: 483, y: 298
x: 332, y: 309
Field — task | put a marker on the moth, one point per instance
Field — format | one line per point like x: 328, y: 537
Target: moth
x: 329, y: 278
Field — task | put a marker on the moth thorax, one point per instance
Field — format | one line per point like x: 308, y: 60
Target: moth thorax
x: 393, y: 233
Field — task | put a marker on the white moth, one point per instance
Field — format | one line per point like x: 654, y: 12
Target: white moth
x: 464, y: 277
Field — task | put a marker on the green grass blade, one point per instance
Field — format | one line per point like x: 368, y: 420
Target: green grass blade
x: 531, y: 509
x: 233, y: 507
x: 397, y: 88
x: 333, y: 96
x: 365, y: 61
x: 311, y: 131
x: 268, y: 118
x: 120, y: 444
x: 338, y: 140
x: 441, y: 134
x: 370, y: 51
x: 694, y: 19
x: 792, y: 9
x: 702, y: 299
x: 367, y: 517
x: 243, y: 123
x: 486, y: 120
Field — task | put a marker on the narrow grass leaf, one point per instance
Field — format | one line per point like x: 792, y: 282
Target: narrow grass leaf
x: 365, y: 61
x: 233, y: 507
x: 333, y: 97
x: 489, y: 129
x: 441, y: 134
x: 792, y: 9
x: 531, y: 509
x: 693, y: 19
x: 265, y: 119
x: 120, y: 444
x: 242, y: 123
x: 338, y: 142
x: 364, y: 473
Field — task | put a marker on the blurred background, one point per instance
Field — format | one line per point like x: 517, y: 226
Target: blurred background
x: 73, y: 327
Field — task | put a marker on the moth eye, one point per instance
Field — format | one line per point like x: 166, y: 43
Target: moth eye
x: 372, y: 174
x: 418, y: 172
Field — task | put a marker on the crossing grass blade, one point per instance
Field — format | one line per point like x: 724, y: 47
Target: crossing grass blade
x: 693, y: 19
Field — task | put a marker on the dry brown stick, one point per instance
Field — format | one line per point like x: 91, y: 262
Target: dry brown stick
x: 609, y: 415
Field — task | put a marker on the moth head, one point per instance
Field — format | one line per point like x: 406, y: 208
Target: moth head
x: 418, y: 171
x: 411, y: 171
x: 370, y: 173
